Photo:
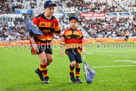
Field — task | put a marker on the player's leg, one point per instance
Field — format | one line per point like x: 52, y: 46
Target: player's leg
x: 49, y: 58
x: 72, y: 66
x: 78, y: 73
x: 49, y: 55
x: 43, y: 66
x: 78, y: 61
x: 42, y: 57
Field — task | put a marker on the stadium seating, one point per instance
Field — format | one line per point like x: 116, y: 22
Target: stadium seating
x: 5, y: 8
x: 88, y: 6
x: 127, y: 4
x: 15, y: 29
x: 108, y: 27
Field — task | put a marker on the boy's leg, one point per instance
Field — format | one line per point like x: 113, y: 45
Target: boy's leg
x: 78, y: 61
x: 49, y: 53
x: 71, y: 74
x: 72, y: 66
x: 78, y: 73
x: 49, y: 58
x: 43, y: 67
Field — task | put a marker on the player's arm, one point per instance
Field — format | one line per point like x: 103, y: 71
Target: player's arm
x: 61, y: 50
x: 34, y: 45
x: 82, y: 43
x: 62, y: 43
x: 57, y: 29
x: 59, y: 34
x: 83, y: 50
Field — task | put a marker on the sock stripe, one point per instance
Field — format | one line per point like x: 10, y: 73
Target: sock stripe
x: 43, y: 66
x: 45, y: 74
x: 77, y: 72
x: 44, y: 70
x: 71, y: 69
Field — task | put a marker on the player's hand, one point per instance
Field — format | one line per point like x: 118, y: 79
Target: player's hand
x: 35, y: 48
x: 61, y: 53
x: 84, y: 52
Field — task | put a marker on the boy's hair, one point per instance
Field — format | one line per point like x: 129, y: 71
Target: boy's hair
x: 73, y: 17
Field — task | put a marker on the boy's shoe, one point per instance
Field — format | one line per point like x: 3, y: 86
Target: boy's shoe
x: 39, y: 73
x: 46, y: 80
x: 72, y: 78
x: 78, y: 81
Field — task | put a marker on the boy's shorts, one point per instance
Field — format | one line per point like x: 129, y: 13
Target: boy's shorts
x: 42, y: 48
x: 74, y: 56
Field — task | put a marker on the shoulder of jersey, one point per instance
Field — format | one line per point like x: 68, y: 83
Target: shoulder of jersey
x: 67, y: 30
x: 42, y: 15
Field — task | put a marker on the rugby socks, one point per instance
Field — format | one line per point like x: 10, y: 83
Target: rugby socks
x: 71, y: 69
x: 43, y: 69
x: 77, y: 73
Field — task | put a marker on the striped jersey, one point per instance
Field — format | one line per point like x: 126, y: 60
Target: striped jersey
x: 48, y: 27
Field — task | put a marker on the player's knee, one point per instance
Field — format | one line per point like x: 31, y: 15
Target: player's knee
x: 77, y: 65
x: 49, y: 60
x: 43, y: 60
x: 73, y: 63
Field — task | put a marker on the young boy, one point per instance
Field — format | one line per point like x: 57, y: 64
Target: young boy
x: 48, y: 25
x: 73, y: 41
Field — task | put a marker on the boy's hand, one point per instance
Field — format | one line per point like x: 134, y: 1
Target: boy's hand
x: 35, y: 48
x: 61, y: 53
x: 84, y: 52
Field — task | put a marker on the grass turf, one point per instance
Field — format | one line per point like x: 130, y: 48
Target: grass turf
x: 17, y: 68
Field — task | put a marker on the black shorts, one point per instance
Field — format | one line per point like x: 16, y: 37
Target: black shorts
x: 127, y: 37
x: 74, y: 56
x: 42, y: 48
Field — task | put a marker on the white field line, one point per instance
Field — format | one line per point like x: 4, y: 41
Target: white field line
x: 130, y: 61
x: 113, y: 51
x: 113, y: 66
x: 86, y: 53
x: 89, y: 53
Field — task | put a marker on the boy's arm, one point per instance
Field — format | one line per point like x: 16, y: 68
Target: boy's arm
x: 83, y: 50
x: 59, y: 34
x: 61, y: 50
x: 62, y: 43
x: 82, y: 43
x: 34, y: 45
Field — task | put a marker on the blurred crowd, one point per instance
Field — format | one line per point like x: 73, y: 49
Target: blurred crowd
x: 4, y: 8
x: 95, y: 7
x: 13, y: 31
x: 108, y: 27
x: 134, y: 18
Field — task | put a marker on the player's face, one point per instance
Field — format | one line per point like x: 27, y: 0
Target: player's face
x: 49, y: 11
x: 73, y: 23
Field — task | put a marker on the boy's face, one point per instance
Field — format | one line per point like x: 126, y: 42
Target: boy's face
x: 73, y: 23
x: 49, y: 11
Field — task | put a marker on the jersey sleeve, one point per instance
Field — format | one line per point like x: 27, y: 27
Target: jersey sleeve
x: 81, y: 39
x: 35, y: 21
x: 57, y: 27
x: 63, y: 39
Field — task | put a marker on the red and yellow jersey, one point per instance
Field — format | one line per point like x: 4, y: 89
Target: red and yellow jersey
x: 73, y: 39
x: 48, y: 27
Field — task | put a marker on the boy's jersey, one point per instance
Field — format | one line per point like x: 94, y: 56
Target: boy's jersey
x: 48, y: 27
x: 73, y: 39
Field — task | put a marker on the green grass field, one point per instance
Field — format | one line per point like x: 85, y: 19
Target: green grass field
x: 17, y: 68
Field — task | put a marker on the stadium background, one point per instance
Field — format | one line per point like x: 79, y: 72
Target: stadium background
x: 101, y: 21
